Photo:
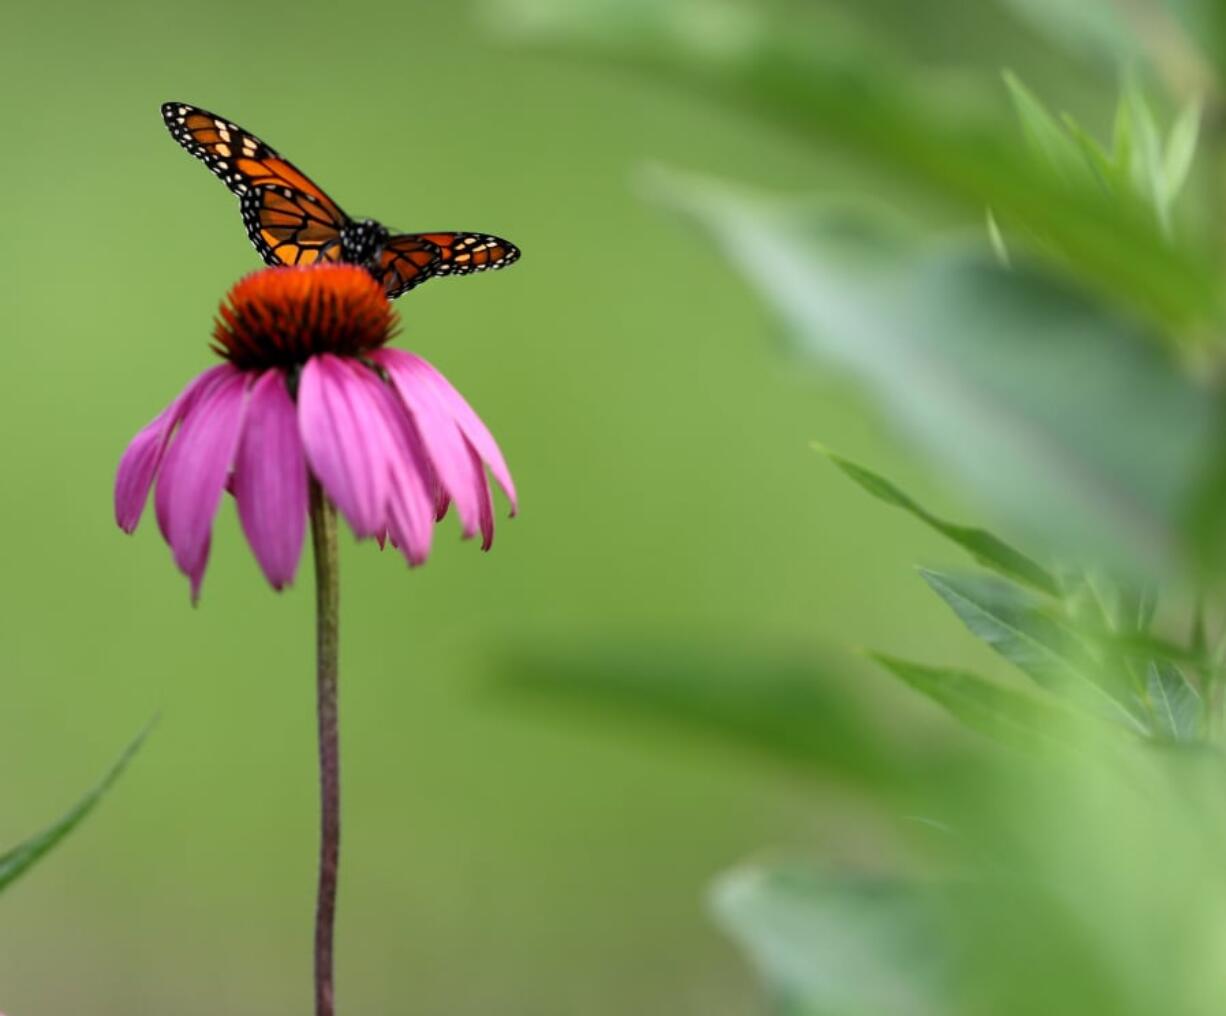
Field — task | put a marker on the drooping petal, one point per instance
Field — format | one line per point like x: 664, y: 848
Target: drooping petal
x: 412, y: 502
x: 270, y: 479
x: 139, y: 465
x: 440, y: 435
x: 401, y: 365
x: 346, y: 440
x: 485, y: 502
x: 194, y: 473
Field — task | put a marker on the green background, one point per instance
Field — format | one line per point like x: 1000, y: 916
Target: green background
x: 502, y: 854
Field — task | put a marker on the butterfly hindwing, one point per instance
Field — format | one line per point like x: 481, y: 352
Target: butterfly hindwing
x: 464, y: 253
x: 289, y: 227
x: 407, y: 260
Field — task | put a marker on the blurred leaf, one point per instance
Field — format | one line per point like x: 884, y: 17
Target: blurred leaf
x: 1136, y: 605
x: 1177, y: 706
x: 1003, y: 714
x: 1180, y: 150
x: 985, y: 548
x: 20, y: 859
x: 997, y: 239
x: 829, y: 946
x: 1145, y: 156
x: 1106, y: 171
x: 1047, y: 135
x: 1018, y: 626
x: 1141, y: 167
x: 790, y: 709
x: 1071, y: 422
x: 822, y: 91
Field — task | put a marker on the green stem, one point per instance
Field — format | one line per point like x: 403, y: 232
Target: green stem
x: 327, y: 623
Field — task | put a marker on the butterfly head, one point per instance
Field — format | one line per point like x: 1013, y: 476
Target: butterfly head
x: 362, y: 241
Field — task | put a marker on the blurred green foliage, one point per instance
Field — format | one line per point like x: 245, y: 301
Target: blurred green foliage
x: 1065, y: 369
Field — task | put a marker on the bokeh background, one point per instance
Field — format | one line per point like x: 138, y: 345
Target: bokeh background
x: 507, y: 849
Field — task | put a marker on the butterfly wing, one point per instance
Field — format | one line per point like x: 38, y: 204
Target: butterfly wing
x: 291, y: 221
x: 289, y: 227
x: 408, y: 259
x: 242, y: 160
x: 465, y: 253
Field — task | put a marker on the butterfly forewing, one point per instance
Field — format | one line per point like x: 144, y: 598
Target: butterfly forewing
x: 288, y: 227
x: 241, y: 159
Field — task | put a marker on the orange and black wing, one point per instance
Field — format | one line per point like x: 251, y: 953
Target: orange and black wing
x: 465, y: 253
x: 289, y: 227
x: 410, y: 258
x: 245, y: 164
x: 405, y: 262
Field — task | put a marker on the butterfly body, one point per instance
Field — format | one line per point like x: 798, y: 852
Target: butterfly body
x: 362, y: 242
x: 292, y: 221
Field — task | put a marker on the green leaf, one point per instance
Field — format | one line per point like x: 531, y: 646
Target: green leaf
x: 832, y: 946
x: 1019, y: 627
x: 1046, y: 135
x: 987, y: 549
x: 1106, y: 172
x: 1123, y: 143
x: 828, y: 92
x: 1175, y: 703
x: 20, y: 859
x: 1147, y: 156
x: 1071, y: 423
x: 787, y: 708
x: 1180, y: 150
x: 997, y: 240
x: 1008, y: 715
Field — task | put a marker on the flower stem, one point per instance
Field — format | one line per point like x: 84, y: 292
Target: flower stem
x: 327, y: 618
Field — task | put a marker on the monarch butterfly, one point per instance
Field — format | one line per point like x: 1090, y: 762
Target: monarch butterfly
x: 291, y: 221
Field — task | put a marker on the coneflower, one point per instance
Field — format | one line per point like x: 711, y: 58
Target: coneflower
x: 311, y: 410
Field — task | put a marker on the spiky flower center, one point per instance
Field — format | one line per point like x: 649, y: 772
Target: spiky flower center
x: 280, y: 317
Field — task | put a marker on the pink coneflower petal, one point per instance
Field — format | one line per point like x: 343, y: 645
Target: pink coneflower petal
x: 346, y: 441
x: 412, y: 502
x: 270, y: 479
x: 140, y: 462
x: 194, y: 473
x: 441, y: 438
x: 485, y: 502
x: 410, y: 373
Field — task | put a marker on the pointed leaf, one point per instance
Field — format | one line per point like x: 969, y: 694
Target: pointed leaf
x: 997, y: 240
x: 988, y: 550
x: 1008, y: 715
x: 1147, y: 177
x: 1181, y: 150
x: 1176, y: 705
x: 1019, y: 627
x: 1046, y: 135
x: 21, y: 858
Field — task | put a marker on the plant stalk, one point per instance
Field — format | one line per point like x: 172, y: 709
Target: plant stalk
x: 327, y: 624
